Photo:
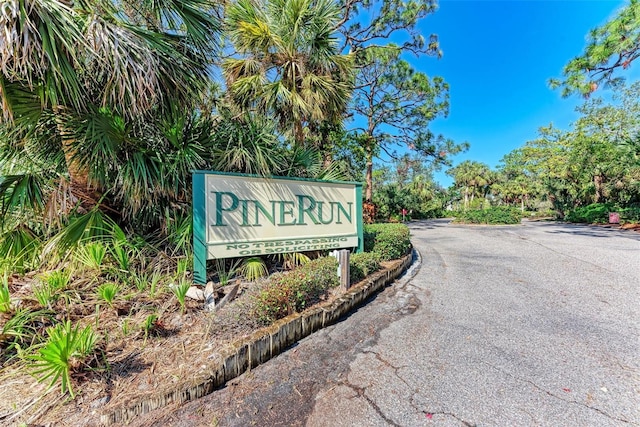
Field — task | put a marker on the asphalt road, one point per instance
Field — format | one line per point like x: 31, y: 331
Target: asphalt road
x: 531, y: 325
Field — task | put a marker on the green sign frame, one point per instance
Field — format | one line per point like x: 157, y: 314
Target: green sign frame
x: 248, y: 215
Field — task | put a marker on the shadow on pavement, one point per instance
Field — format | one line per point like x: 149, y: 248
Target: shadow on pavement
x: 429, y: 224
x: 551, y: 227
x: 600, y: 231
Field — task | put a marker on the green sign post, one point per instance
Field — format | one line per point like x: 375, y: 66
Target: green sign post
x: 246, y: 215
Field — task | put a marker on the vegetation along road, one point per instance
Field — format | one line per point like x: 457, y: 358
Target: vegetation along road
x: 537, y: 324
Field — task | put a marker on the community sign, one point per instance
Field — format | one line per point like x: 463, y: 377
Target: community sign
x: 244, y: 215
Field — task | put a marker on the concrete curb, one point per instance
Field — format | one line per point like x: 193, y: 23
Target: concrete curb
x: 264, y: 344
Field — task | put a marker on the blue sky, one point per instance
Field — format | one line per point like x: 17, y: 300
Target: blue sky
x: 498, y: 57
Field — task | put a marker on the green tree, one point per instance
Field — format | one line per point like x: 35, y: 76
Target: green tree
x: 594, y: 162
x: 614, y: 46
x: 98, y: 106
x: 473, y: 178
x: 547, y: 158
x: 379, y: 33
x: 600, y: 146
x: 372, y: 23
x: 395, y: 105
x: 288, y: 63
x: 515, y: 182
x: 407, y: 184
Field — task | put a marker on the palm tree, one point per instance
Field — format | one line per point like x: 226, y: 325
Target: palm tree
x: 288, y: 63
x: 470, y: 175
x: 68, y: 64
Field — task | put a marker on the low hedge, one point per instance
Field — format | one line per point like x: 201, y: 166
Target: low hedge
x: 363, y: 264
x: 593, y: 213
x: 388, y: 241
x: 630, y: 214
x: 493, y: 215
x: 294, y: 290
x: 598, y: 213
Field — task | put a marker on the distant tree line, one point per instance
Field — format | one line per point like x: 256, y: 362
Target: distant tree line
x: 596, y: 161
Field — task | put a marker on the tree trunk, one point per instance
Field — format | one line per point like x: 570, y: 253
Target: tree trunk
x: 298, y: 133
x: 557, y: 207
x: 466, y: 198
x: 80, y: 188
x: 325, y: 147
x: 368, y: 193
x: 598, y: 182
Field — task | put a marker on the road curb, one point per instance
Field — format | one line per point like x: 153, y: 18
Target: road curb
x: 265, y: 344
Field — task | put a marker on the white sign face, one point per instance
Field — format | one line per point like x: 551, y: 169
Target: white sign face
x: 248, y: 216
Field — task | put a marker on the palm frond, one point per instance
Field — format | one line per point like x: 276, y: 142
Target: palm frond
x: 19, y: 246
x: 120, y: 61
x: 92, y: 225
x: 20, y: 192
x: 42, y: 46
x: 293, y: 42
x: 246, y: 145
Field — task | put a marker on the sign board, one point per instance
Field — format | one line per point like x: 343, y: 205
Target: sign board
x: 614, y: 218
x: 244, y: 215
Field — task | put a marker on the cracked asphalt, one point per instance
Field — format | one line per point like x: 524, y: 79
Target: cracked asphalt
x: 531, y: 325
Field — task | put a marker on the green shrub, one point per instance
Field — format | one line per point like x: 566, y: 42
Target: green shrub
x: 542, y: 213
x: 45, y: 294
x: 389, y: 241
x: 493, y: 215
x: 91, y: 255
x: 631, y: 214
x: 254, y: 268
x: 107, y: 292
x: 598, y: 213
x: 593, y: 213
x: 19, y: 248
x: 363, y: 264
x: 58, y: 280
x: 23, y: 330
x: 295, y: 290
x: 180, y: 290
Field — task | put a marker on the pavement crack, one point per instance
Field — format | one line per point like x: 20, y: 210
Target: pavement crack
x: 361, y: 391
x: 547, y: 392
x: 454, y: 416
x: 385, y: 362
